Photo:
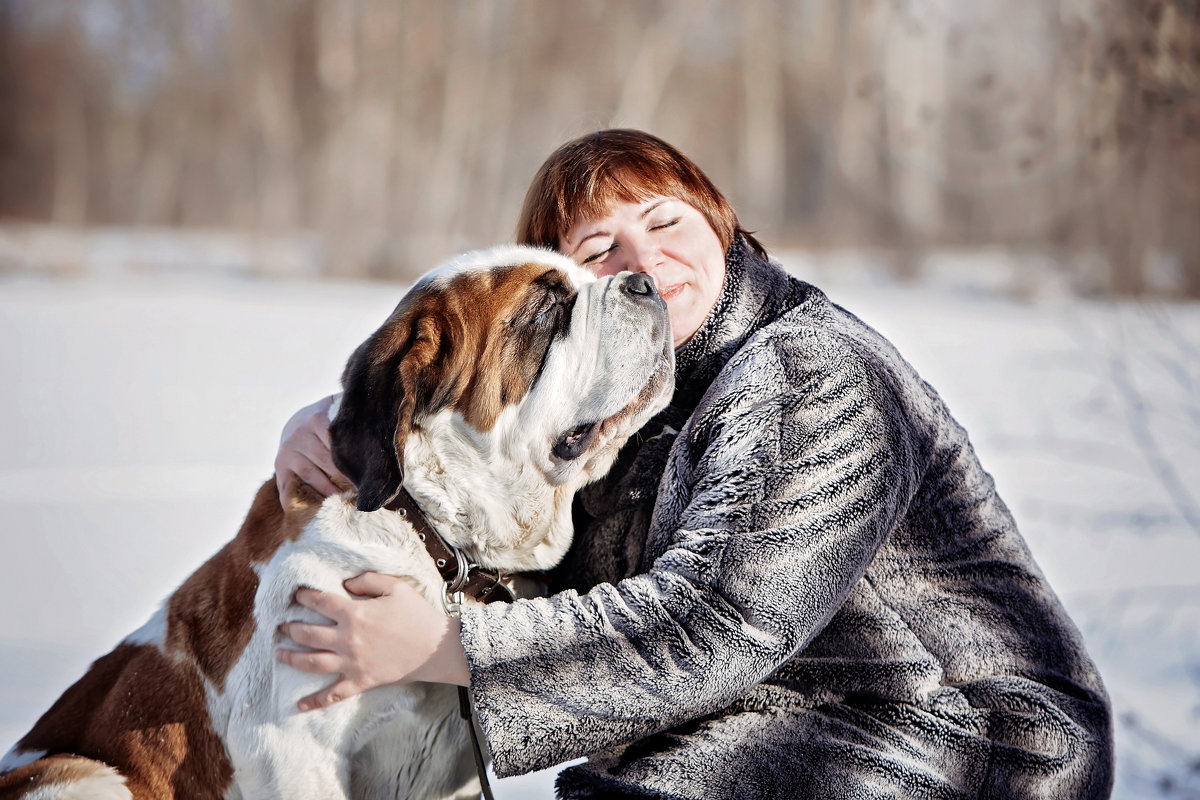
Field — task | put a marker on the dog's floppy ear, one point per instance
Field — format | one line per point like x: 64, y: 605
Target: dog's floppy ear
x: 386, y: 384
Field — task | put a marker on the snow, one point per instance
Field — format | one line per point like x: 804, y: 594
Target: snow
x: 143, y: 411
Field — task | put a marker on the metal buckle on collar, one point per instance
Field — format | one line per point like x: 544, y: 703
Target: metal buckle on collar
x: 464, y: 569
x: 452, y: 602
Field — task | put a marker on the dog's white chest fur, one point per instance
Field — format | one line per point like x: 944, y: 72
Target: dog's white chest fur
x: 381, y: 742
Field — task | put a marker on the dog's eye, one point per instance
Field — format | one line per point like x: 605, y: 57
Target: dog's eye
x: 555, y: 313
x: 574, y: 443
x: 547, y: 313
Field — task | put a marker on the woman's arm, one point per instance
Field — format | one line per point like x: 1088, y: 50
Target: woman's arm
x: 776, y: 498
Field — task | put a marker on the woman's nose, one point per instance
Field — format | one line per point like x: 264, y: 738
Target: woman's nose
x: 644, y: 256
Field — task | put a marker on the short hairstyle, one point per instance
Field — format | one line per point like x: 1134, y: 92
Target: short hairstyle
x: 585, y: 177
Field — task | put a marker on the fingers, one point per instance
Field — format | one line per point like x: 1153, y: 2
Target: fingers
x: 327, y: 697
x: 318, y: 637
x: 320, y: 661
x: 293, y: 468
x: 313, y: 445
x: 330, y: 606
x: 304, y: 453
x: 314, y: 476
x: 307, y: 456
x: 372, y: 584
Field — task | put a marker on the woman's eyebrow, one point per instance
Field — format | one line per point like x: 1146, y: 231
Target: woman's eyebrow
x: 592, y: 235
x: 652, y: 206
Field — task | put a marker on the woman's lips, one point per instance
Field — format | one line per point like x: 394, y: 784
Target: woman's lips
x: 669, y: 293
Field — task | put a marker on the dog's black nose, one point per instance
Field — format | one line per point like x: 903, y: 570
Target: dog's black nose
x: 639, y: 284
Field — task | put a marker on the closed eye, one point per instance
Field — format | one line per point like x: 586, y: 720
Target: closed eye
x: 549, y: 323
x: 544, y: 308
x: 596, y: 258
x: 554, y: 312
x: 665, y: 224
x: 547, y: 312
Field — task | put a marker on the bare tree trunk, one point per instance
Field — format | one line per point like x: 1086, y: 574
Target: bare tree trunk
x: 448, y: 195
x: 70, y: 206
x: 763, y: 145
x: 655, y: 59
x: 279, y: 190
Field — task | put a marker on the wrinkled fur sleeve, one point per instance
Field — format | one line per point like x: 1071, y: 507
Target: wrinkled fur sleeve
x: 778, y: 492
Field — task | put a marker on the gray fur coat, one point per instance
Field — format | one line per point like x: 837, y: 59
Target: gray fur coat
x: 796, y: 582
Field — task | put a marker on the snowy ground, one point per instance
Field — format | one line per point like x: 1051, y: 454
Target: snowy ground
x: 141, y: 413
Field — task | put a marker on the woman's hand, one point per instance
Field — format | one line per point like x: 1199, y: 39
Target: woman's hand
x: 304, y: 454
x: 387, y: 633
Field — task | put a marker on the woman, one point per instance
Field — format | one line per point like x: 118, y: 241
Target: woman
x: 796, y: 581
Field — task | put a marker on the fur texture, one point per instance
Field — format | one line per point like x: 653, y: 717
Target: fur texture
x: 797, y: 581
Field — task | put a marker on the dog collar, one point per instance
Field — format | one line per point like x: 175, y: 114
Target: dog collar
x: 462, y: 577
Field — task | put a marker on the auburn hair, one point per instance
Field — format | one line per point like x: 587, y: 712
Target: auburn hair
x: 585, y: 177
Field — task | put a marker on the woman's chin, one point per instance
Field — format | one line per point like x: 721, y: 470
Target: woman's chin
x: 686, y: 319
x: 682, y: 332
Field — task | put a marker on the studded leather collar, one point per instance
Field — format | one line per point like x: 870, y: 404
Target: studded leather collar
x: 460, y: 575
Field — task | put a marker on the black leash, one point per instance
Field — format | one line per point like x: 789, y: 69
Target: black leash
x: 464, y: 707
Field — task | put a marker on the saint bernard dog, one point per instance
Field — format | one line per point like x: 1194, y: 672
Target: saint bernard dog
x: 503, y: 382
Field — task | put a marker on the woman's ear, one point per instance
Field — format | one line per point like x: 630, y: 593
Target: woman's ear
x: 385, y: 383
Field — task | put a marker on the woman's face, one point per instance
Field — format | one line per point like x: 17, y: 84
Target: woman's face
x: 666, y: 238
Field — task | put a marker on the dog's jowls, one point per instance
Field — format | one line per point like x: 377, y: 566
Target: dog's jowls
x: 503, y: 382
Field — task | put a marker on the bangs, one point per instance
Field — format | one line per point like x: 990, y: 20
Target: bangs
x: 596, y: 192
x: 587, y: 177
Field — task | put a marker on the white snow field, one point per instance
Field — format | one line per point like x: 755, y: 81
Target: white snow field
x: 140, y: 414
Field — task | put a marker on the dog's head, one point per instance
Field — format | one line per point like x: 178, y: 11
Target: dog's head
x: 528, y: 357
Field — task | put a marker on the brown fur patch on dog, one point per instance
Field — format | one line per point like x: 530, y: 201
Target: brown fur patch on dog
x: 483, y: 338
x: 494, y: 362
x: 142, y: 709
x: 210, y: 618
x: 140, y: 712
x: 474, y: 342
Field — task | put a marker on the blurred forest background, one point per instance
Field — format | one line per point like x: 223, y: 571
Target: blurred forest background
x: 377, y: 137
